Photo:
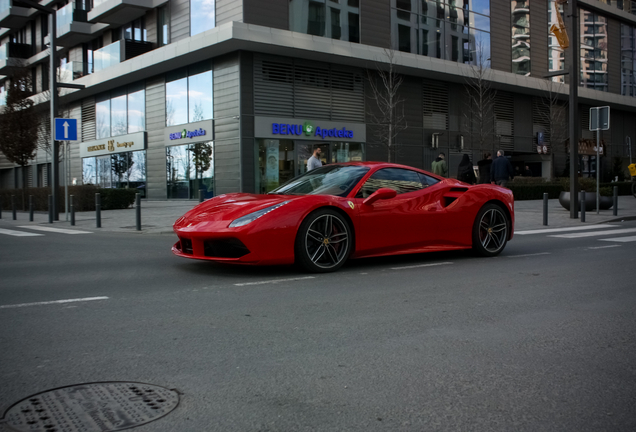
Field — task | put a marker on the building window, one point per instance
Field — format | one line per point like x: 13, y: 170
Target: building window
x: 202, y: 16
x: 335, y: 19
x: 135, y: 31
x: 120, y: 115
x: 190, y: 168
x: 556, y: 54
x: 520, y: 37
x: 457, y: 30
x: 119, y: 170
x: 628, y: 60
x: 593, y: 50
x: 163, y: 25
x: 189, y: 96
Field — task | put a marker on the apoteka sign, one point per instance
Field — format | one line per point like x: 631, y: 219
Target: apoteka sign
x: 120, y: 144
x: 187, y: 134
x: 308, y: 129
x: 281, y: 128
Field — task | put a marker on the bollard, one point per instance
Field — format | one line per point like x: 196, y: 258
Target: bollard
x: 72, y: 210
x: 50, y: 209
x: 545, y: 209
x: 138, y: 211
x: 615, y: 200
x: 201, y: 195
x: 98, y: 210
x: 30, y: 208
x: 582, y: 206
x: 13, y: 207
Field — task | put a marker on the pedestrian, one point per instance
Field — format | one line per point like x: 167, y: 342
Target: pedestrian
x: 465, y: 171
x: 501, y: 170
x: 484, y: 168
x: 439, y: 167
x: 314, y: 160
x: 527, y: 172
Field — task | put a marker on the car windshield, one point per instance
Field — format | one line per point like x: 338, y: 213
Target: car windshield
x: 335, y: 180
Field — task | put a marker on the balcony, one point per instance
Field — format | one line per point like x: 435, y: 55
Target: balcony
x: 73, y: 28
x: 13, y: 15
x: 119, y: 12
x: 118, y: 52
x: 70, y: 71
x: 12, y: 55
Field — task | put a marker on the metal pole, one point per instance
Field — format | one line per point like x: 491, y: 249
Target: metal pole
x: 55, y: 167
x: 66, y: 170
x: 615, y: 201
x: 201, y: 192
x: 582, y: 206
x: 72, y: 210
x: 138, y: 211
x: 598, y: 161
x: 13, y: 207
x: 574, y: 104
x: 545, y: 209
x: 30, y: 208
x: 0, y: 207
x: 50, y: 209
x: 98, y: 210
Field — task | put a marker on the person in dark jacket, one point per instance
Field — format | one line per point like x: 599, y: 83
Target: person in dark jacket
x: 501, y: 170
x: 484, y: 168
x: 465, y: 171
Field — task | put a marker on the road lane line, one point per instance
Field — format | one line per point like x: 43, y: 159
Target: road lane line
x: 56, y: 230
x: 18, y: 233
x: 53, y: 302
x: 528, y: 255
x: 555, y: 230
x: 274, y: 281
x: 604, y: 247
x: 596, y: 233
x: 421, y: 265
x: 620, y: 239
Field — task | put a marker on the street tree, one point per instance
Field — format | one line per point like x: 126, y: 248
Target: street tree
x: 18, y: 125
x: 202, y: 160
x: 388, y: 115
x: 555, y: 115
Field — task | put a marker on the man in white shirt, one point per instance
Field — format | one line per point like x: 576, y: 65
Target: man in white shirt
x: 314, y: 160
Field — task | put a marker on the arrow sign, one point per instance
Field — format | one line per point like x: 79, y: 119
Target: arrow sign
x: 65, y: 129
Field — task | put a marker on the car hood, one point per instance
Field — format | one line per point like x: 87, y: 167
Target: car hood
x: 232, y: 206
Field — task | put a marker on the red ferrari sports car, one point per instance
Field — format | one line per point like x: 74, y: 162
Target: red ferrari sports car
x: 348, y: 210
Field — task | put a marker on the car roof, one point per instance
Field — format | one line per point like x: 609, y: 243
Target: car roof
x: 375, y: 164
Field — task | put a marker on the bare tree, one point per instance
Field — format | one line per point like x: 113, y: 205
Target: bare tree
x: 389, y: 119
x: 479, y: 115
x: 555, y: 115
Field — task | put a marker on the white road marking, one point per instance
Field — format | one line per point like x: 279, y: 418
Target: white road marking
x: 556, y: 230
x: 274, y: 281
x: 420, y: 265
x: 56, y: 230
x: 18, y: 233
x: 604, y: 247
x: 528, y: 255
x: 596, y: 233
x: 620, y: 240
x: 53, y: 302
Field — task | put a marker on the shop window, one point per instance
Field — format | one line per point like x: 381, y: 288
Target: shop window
x: 190, y: 168
x: 120, y: 115
x: 119, y: 170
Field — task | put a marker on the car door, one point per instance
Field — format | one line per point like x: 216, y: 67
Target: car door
x: 394, y: 224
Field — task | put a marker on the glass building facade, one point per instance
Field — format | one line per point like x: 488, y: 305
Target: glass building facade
x: 334, y: 19
x: 628, y: 60
x: 593, y: 48
x: 521, y: 37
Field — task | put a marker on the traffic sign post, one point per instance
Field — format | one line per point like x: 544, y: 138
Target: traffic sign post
x: 65, y: 129
x: 599, y: 120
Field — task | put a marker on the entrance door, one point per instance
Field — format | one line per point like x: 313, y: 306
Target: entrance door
x: 305, y: 149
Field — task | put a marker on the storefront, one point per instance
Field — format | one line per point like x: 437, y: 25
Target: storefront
x: 189, y: 160
x: 283, y: 146
x: 115, y: 162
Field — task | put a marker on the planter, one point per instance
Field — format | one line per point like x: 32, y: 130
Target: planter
x: 605, y: 203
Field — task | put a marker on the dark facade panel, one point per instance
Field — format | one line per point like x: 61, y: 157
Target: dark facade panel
x: 248, y: 162
x: 501, y: 35
x: 523, y: 123
x: 270, y: 13
x: 179, y: 20
x: 155, y: 124
x: 614, y: 55
x: 539, y: 38
x: 375, y: 23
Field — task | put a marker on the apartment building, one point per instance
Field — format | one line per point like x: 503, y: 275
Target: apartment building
x: 234, y: 95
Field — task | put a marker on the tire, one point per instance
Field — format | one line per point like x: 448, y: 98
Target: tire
x: 490, y: 231
x: 323, y: 242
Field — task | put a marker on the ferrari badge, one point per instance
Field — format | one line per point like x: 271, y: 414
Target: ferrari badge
x: 352, y: 205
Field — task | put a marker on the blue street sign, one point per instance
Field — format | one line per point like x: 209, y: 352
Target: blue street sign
x: 65, y: 129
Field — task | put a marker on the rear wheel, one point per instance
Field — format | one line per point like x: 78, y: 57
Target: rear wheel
x: 490, y: 231
x: 323, y: 242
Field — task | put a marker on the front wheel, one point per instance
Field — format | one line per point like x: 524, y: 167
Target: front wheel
x: 323, y: 242
x: 490, y: 231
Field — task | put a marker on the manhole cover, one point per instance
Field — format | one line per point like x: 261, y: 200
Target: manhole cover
x: 102, y: 406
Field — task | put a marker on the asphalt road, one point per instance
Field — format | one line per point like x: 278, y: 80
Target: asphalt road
x: 540, y: 338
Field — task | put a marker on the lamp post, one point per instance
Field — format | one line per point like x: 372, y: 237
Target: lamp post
x: 574, y: 107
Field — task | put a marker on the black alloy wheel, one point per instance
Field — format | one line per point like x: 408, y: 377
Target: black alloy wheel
x: 490, y: 230
x: 323, y: 242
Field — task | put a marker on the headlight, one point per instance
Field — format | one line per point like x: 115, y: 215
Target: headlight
x: 253, y: 216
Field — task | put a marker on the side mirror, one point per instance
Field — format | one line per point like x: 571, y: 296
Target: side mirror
x: 382, y: 193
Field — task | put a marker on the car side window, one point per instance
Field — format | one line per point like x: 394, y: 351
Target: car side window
x: 398, y: 179
x: 427, y: 180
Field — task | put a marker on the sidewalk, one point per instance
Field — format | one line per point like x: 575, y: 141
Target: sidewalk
x: 157, y: 217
